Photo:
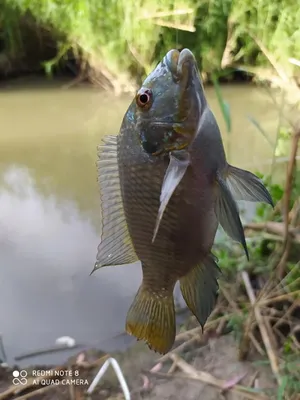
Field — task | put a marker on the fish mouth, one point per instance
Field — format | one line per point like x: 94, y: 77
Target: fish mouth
x: 180, y: 64
x: 183, y: 67
x: 179, y: 128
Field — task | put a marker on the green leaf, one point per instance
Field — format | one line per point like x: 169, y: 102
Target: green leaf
x: 225, y: 108
x: 261, y: 130
x: 282, y: 387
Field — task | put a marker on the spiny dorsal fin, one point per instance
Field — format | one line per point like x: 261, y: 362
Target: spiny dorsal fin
x: 115, y: 247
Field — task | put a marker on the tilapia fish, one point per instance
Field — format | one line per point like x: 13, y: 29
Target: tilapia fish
x: 165, y: 185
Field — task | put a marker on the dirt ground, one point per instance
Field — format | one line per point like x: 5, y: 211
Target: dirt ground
x: 218, y: 358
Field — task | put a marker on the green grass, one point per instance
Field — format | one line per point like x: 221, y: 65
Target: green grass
x: 124, y: 39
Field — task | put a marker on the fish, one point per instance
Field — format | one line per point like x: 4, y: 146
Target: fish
x: 165, y: 187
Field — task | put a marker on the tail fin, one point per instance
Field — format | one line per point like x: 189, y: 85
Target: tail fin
x: 151, y: 318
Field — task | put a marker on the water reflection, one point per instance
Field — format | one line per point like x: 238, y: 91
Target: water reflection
x: 47, y: 252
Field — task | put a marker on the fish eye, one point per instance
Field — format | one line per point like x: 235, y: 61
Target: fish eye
x: 143, y: 98
x: 150, y: 148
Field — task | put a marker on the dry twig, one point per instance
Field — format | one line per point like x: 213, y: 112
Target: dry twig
x: 276, y: 228
x: 262, y: 327
x: 191, y: 373
x: 36, y: 392
x: 287, y: 196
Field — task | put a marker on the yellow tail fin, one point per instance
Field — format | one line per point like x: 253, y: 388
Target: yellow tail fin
x: 151, y: 318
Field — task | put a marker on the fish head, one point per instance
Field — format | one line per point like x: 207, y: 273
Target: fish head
x: 167, y: 106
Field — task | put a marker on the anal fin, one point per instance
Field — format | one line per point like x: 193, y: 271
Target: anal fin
x: 199, y: 288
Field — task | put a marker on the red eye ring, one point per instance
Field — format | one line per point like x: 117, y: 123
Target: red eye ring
x: 143, y: 98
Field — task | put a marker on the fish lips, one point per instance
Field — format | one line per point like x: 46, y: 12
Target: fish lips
x: 181, y: 65
x: 184, y: 70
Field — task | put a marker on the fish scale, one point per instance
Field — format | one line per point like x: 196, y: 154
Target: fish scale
x: 141, y: 203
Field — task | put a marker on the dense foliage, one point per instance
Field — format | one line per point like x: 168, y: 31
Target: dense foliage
x: 122, y: 39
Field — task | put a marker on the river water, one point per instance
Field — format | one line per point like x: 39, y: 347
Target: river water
x: 49, y: 210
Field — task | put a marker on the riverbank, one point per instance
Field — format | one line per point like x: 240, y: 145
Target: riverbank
x: 116, y: 45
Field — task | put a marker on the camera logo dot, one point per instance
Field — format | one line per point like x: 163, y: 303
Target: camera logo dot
x: 19, y: 377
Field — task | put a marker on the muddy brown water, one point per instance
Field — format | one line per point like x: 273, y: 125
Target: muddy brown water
x: 49, y: 210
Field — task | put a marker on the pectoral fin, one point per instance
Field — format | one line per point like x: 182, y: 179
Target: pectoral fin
x: 200, y: 288
x: 228, y: 214
x: 246, y: 186
x: 115, y: 247
x: 179, y: 161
